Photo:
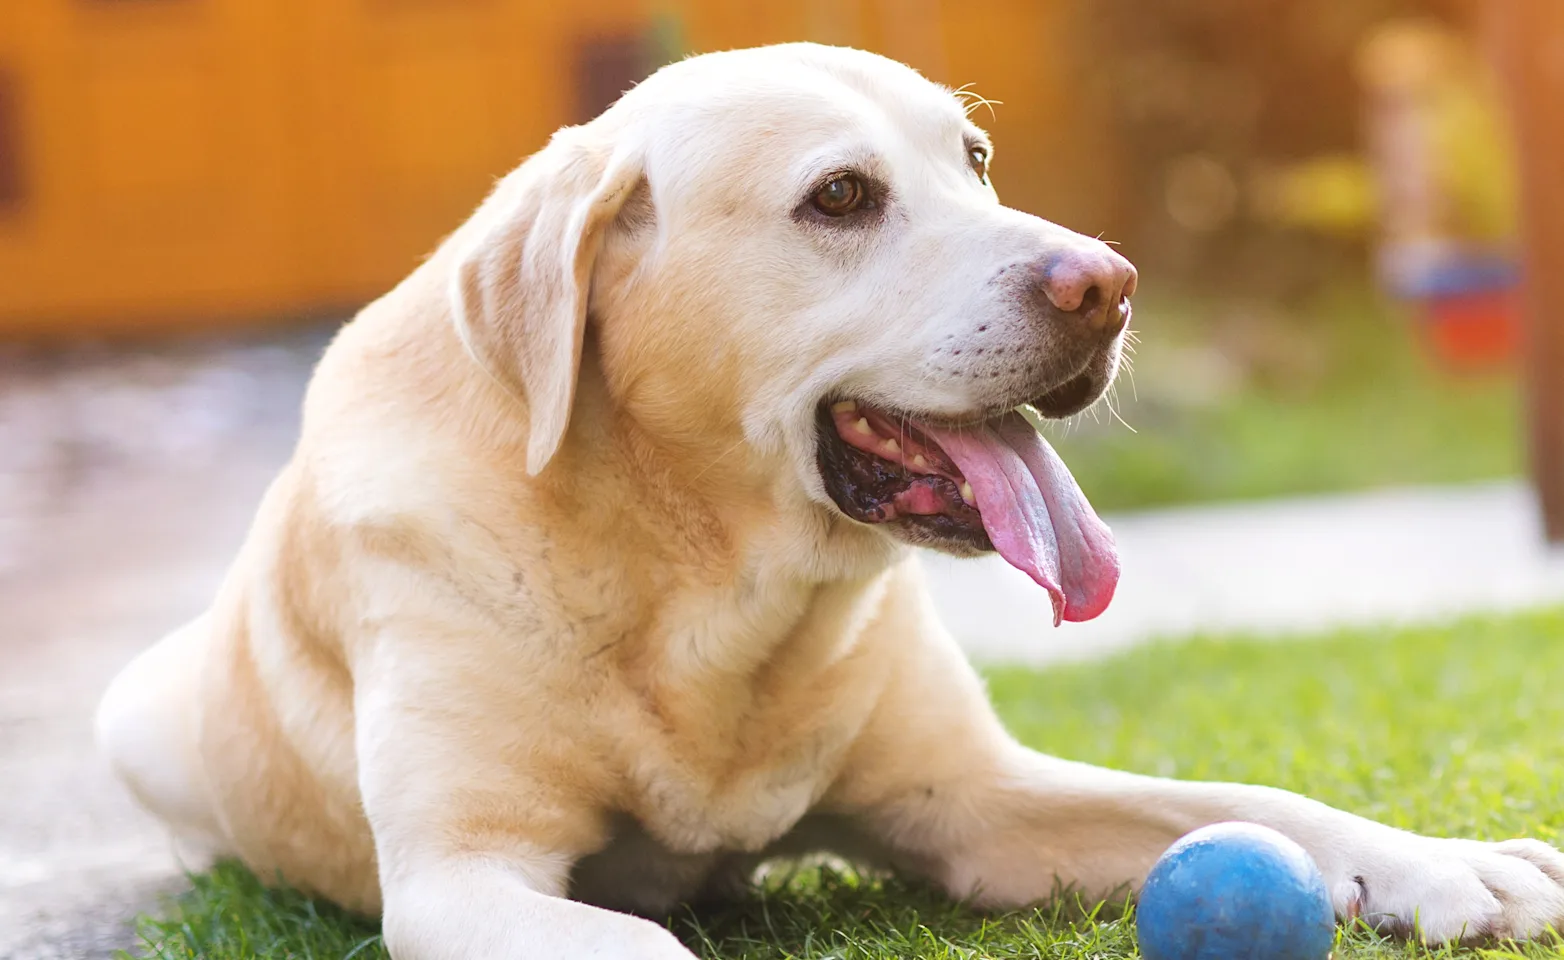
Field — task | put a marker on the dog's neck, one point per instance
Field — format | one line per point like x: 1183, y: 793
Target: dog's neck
x: 758, y: 560
x: 766, y: 566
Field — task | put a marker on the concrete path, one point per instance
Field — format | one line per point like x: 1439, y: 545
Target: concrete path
x: 77, y: 859
x: 126, y: 483
x: 1278, y: 567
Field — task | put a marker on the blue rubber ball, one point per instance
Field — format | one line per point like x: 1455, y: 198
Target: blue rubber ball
x: 1235, y: 891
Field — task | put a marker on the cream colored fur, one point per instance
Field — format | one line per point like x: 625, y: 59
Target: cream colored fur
x: 550, y: 601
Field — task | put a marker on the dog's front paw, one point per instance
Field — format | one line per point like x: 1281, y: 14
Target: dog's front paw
x: 648, y: 948
x: 1442, y: 891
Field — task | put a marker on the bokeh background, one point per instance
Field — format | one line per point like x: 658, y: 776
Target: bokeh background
x: 1348, y: 217
x: 1321, y: 194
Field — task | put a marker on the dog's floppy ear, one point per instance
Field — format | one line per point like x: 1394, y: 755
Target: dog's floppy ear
x: 520, y: 287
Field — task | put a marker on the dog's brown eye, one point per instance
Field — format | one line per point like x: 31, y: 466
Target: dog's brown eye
x: 978, y: 157
x: 840, y: 196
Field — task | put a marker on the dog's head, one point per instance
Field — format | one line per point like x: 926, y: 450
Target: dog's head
x: 801, y: 285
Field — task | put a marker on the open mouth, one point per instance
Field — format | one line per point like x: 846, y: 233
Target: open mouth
x: 992, y: 485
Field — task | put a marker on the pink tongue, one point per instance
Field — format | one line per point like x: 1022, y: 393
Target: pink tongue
x: 1035, y: 513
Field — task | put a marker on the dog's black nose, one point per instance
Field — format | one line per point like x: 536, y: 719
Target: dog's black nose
x: 1088, y: 283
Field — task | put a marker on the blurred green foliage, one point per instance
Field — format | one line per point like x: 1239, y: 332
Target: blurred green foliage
x: 1235, y: 401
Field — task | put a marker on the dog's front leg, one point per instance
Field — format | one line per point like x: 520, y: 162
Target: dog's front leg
x: 475, y: 840
x: 1043, y: 821
x: 938, y: 779
x: 508, y: 905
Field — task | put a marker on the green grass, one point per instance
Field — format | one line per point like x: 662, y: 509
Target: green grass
x: 1452, y: 731
x: 1340, y: 396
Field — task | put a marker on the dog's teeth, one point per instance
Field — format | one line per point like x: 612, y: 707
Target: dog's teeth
x: 862, y: 426
x: 891, y: 446
x: 919, y: 460
x: 844, y: 406
x: 966, y: 493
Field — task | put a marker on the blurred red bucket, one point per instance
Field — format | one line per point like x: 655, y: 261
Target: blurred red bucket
x: 1478, y: 329
x: 1468, y: 303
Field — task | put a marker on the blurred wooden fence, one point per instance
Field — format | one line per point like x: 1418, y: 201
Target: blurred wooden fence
x: 188, y: 162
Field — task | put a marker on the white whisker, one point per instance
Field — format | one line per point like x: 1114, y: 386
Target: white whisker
x: 717, y: 459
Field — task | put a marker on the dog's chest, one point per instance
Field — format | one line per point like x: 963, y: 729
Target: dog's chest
x: 731, y: 713
x: 731, y: 762
x: 741, y: 787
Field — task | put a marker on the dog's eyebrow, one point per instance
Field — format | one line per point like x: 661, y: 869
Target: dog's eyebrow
x: 974, y: 137
x: 812, y: 167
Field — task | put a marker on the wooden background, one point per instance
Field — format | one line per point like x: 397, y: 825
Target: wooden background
x: 171, y: 163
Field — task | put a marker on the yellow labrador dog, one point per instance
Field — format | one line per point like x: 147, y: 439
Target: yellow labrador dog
x: 589, y: 585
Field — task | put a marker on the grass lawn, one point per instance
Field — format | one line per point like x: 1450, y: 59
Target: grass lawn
x: 1340, y: 395
x: 1452, y: 731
